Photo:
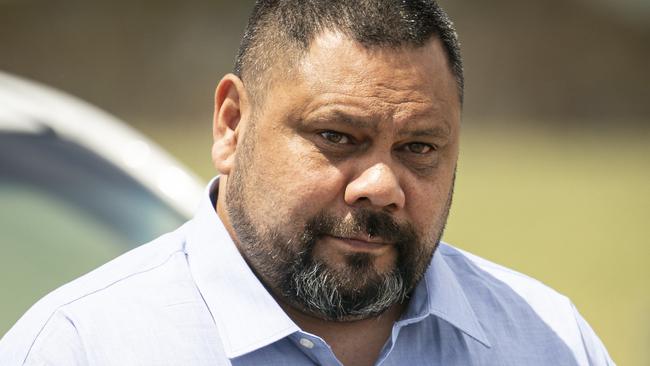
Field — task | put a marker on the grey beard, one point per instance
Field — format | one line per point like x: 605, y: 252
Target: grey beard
x: 320, y: 291
x: 283, y: 261
x: 287, y: 266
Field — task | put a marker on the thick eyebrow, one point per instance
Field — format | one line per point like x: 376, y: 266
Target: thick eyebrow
x: 367, y: 123
x: 348, y: 119
x: 438, y: 131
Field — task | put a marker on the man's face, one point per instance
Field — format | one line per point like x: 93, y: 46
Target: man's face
x: 341, y: 186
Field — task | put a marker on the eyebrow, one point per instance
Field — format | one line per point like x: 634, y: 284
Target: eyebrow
x: 373, y: 124
x: 353, y: 121
x: 438, y: 131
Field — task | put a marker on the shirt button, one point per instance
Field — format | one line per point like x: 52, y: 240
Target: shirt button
x: 306, y: 343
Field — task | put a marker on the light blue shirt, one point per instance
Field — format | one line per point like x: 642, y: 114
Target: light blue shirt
x: 189, y: 298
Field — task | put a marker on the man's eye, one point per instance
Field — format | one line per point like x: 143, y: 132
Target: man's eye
x: 419, y: 148
x: 335, y: 137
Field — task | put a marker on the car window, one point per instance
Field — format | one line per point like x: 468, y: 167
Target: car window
x: 63, y: 211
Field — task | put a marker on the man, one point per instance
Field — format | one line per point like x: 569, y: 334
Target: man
x: 337, y: 141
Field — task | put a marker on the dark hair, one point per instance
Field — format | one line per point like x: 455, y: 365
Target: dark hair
x: 280, y: 31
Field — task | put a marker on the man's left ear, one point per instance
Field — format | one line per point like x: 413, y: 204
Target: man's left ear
x: 230, y: 107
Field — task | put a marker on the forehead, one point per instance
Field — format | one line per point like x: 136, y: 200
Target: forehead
x: 336, y: 54
x: 399, y: 84
x: 389, y: 88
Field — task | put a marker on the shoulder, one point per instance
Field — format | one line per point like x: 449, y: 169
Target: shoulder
x: 490, y: 285
x: 119, y: 280
x: 472, y: 270
x: 515, y: 307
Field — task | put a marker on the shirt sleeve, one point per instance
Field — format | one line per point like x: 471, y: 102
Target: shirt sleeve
x: 58, y: 344
x: 594, y: 348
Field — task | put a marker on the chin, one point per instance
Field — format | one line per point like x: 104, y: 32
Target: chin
x: 348, y: 292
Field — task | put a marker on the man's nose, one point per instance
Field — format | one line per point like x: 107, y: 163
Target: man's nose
x: 378, y: 186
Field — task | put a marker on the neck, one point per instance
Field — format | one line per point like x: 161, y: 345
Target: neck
x: 357, y: 342
x: 222, y: 210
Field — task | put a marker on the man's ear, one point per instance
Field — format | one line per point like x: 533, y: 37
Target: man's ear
x: 230, y: 109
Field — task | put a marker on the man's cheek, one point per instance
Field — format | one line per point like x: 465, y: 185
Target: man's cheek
x: 426, y: 213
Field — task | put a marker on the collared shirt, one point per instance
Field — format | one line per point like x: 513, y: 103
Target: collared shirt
x: 189, y: 298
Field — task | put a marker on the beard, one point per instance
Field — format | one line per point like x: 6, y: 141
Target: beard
x: 282, y: 255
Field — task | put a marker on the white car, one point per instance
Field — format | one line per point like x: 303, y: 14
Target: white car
x: 77, y: 187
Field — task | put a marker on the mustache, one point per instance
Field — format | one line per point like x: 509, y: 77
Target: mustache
x: 361, y: 222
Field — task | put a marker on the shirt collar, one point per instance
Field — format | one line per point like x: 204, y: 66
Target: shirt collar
x: 441, y: 295
x: 246, y: 315
x: 249, y: 318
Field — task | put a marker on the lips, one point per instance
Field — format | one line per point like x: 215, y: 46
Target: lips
x: 362, y: 243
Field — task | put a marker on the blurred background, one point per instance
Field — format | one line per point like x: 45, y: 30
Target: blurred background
x: 554, y: 174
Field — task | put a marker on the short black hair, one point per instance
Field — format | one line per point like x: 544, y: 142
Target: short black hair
x: 281, y: 30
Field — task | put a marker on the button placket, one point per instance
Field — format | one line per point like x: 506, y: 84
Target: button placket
x: 306, y: 343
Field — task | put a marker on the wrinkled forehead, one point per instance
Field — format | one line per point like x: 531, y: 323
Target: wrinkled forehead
x: 338, y: 60
x: 414, y: 79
